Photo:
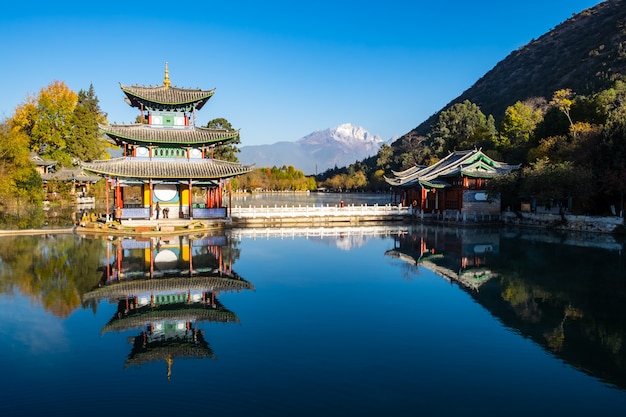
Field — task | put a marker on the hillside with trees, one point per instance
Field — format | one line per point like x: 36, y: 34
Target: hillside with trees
x: 583, y: 54
x: 557, y: 106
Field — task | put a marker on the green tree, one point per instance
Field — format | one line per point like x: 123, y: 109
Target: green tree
x: 227, y: 151
x: 384, y: 157
x: 86, y: 142
x: 544, y: 180
x: 463, y: 125
x: 614, y: 153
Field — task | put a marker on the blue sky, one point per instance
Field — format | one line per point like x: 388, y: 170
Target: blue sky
x: 281, y: 70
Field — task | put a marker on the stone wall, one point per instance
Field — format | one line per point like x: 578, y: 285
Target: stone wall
x: 477, y: 203
x: 566, y: 222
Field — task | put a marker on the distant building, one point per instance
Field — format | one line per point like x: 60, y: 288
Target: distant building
x: 456, y: 184
x: 166, y: 160
x: 79, y: 181
x: 42, y: 166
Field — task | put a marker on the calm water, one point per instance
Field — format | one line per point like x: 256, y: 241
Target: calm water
x: 388, y: 321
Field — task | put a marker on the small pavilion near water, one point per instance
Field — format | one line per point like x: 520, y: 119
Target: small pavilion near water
x: 456, y: 184
x: 167, y: 167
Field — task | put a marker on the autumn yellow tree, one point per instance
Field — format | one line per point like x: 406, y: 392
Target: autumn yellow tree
x: 48, y: 121
x: 21, y: 184
x: 563, y: 100
x: 518, y: 125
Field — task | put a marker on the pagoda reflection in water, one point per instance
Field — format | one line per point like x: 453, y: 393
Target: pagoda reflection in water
x: 454, y: 254
x: 164, y: 287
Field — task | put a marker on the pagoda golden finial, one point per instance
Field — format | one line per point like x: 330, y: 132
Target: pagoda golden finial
x: 166, y: 81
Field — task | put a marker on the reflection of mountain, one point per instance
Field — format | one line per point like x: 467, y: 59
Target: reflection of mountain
x: 568, y: 298
x: 164, y: 287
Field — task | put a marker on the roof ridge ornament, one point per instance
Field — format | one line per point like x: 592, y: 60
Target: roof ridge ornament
x: 166, y: 81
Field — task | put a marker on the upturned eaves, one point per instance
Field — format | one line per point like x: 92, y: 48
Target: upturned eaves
x: 167, y: 168
x: 144, y: 134
x: 166, y: 97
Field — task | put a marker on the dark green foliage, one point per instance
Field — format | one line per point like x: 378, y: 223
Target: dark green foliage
x: 462, y: 126
x: 228, y: 151
x: 86, y: 143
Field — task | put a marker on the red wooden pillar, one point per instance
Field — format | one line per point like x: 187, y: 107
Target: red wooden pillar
x: 230, y: 199
x: 106, y: 193
x: 118, y: 195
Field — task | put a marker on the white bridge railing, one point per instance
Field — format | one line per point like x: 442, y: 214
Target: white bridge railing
x: 318, y: 211
x: 318, y: 232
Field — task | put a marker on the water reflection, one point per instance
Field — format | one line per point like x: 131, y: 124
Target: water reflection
x: 52, y: 270
x: 459, y: 255
x: 164, y: 287
x: 566, y: 292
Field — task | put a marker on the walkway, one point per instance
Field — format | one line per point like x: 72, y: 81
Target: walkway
x: 315, y: 215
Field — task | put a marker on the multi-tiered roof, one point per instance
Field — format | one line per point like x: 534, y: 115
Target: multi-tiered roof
x: 168, y: 144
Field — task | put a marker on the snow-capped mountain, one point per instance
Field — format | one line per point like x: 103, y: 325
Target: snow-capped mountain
x: 316, y: 152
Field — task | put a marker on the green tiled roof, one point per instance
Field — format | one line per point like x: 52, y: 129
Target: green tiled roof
x: 167, y: 168
x: 469, y: 163
x: 122, y: 289
x: 69, y: 174
x: 162, y: 97
x: 144, y: 134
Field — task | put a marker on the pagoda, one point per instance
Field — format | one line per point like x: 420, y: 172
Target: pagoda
x: 167, y: 167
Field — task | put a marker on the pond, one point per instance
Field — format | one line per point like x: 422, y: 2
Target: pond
x: 369, y: 321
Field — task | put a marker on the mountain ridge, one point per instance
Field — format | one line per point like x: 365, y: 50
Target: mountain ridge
x: 590, y: 42
x: 316, y: 152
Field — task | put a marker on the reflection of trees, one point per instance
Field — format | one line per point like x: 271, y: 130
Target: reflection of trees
x: 22, y: 217
x: 53, y: 270
x: 570, y: 299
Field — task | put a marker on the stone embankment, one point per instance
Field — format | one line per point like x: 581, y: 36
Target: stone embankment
x: 567, y: 222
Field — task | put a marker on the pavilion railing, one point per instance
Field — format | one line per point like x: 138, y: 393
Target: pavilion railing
x: 318, y: 211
